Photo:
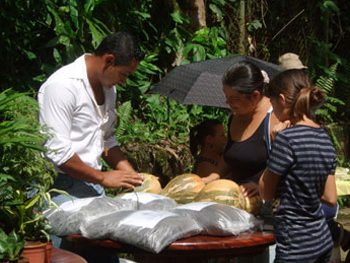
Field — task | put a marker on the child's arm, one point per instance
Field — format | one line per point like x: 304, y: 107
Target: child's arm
x: 268, y: 185
x: 329, y: 196
x: 211, y: 177
x: 207, y: 171
x: 224, y: 169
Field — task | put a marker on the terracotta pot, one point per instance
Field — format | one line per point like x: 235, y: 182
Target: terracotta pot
x: 48, y: 252
x: 35, y: 252
x: 23, y: 260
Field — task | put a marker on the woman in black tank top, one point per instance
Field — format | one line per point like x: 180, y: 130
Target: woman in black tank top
x: 247, y: 159
x: 245, y: 154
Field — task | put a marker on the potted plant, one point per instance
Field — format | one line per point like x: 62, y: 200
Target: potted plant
x: 11, y: 247
x: 25, y: 175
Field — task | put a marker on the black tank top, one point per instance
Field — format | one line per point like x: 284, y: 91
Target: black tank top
x: 247, y: 159
x: 200, y: 159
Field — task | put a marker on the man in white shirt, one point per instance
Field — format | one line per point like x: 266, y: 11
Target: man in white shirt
x: 77, y: 105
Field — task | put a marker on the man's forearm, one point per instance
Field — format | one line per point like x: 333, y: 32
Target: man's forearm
x: 117, y: 161
x: 76, y: 168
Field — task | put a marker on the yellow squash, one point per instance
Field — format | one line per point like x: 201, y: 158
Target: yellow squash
x: 183, y: 188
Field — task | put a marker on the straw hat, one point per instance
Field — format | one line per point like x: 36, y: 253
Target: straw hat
x: 290, y: 61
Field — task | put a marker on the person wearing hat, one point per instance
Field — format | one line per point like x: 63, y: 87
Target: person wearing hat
x: 291, y: 61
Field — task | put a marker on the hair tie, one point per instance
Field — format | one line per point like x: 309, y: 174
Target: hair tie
x: 265, y: 76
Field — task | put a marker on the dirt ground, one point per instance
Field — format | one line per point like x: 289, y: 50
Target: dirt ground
x: 344, y: 219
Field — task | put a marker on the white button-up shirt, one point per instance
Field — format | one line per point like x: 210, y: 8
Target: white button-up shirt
x: 75, y: 120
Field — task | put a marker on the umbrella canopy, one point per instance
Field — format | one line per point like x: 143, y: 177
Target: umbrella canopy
x: 200, y: 83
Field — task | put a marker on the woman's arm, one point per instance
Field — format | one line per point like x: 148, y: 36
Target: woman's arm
x: 329, y: 196
x: 268, y: 184
x: 277, y: 126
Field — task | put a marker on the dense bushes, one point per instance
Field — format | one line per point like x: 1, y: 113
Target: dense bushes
x: 41, y: 36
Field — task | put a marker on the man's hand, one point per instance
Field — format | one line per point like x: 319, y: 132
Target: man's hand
x: 126, y: 177
x: 250, y: 189
x: 117, y: 179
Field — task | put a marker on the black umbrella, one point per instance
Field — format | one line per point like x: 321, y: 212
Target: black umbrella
x: 200, y: 83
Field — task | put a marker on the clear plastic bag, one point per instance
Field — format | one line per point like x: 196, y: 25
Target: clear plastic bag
x: 146, y: 229
x: 68, y: 218
x: 218, y: 219
x: 149, y: 201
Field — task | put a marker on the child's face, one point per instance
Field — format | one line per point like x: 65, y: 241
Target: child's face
x: 217, y: 142
x: 280, y: 108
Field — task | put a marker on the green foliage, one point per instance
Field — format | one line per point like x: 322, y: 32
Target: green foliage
x: 22, y: 39
x: 72, y: 22
x: 327, y: 7
x: 124, y: 115
x: 164, y: 122
x: 254, y: 25
x: 41, y: 36
x: 329, y: 112
x: 344, y: 201
x: 174, y: 40
x: 21, y: 142
x: 216, y: 6
x: 25, y: 175
x: 206, y: 43
x: 11, y: 246
x: 327, y: 83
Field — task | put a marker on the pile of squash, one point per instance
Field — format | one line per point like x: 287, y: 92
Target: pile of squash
x: 187, y: 188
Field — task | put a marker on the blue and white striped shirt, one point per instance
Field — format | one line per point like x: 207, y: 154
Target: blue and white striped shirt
x: 303, y: 156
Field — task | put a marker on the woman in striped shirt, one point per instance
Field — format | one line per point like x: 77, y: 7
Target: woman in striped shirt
x: 300, y: 171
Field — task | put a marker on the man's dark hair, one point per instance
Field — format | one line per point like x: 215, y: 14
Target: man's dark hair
x: 123, y: 46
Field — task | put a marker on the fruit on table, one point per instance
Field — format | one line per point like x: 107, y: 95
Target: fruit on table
x: 221, y: 191
x: 183, y: 188
x: 253, y: 204
x: 227, y: 192
x: 150, y: 184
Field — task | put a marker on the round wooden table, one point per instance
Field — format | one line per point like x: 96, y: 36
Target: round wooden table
x: 64, y: 256
x: 247, y: 244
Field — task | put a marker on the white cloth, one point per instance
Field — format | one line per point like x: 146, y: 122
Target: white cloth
x: 69, y: 109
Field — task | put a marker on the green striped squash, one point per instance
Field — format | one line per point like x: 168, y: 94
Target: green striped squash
x: 183, y: 188
x: 227, y: 192
x: 253, y: 204
x: 222, y: 191
x: 150, y: 184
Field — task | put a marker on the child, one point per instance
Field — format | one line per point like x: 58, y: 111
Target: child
x: 209, y: 136
x: 300, y: 171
